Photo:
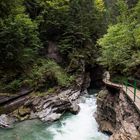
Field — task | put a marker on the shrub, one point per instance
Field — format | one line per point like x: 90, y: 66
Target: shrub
x: 47, y: 73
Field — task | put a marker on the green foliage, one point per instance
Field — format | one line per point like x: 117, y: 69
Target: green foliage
x: 85, y: 17
x: 11, y: 7
x: 117, y: 11
x: 13, y: 86
x: 121, y: 45
x: 33, y: 7
x: 71, y: 41
x: 123, y: 12
x: 51, y: 90
x: 119, y: 79
x: 47, y: 73
x: 19, y: 41
x: 100, y: 5
x: 54, y: 19
x: 26, y: 27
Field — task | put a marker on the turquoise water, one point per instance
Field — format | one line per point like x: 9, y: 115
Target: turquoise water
x: 70, y: 127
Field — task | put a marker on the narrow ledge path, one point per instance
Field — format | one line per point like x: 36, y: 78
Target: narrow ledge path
x: 129, y: 92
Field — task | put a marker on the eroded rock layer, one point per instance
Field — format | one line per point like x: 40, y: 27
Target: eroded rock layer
x: 117, y: 115
x: 48, y: 107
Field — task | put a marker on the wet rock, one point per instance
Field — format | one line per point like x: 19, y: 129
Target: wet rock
x: 44, y: 113
x: 102, y: 95
x: 21, y: 114
x: 33, y: 115
x: 22, y: 111
x: 6, y: 121
x: 52, y: 117
x: 74, y: 95
x: 50, y: 107
x: 74, y: 109
x: 83, y: 81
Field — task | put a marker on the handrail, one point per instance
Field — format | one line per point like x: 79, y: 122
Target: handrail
x: 134, y: 86
x: 134, y: 79
x: 138, y: 97
x: 130, y: 90
x: 130, y: 84
x: 127, y: 83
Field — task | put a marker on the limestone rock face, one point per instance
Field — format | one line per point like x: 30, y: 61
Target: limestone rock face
x: 49, y: 107
x: 127, y: 131
x: 6, y: 121
x: 52, y: 117
x: 53, y: 52
x: 22, y: 113
x: 74, y: 109
x: 116, y: 115
x: 106, y: 126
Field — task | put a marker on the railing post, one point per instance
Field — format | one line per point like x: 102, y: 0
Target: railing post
x: 135, y: 87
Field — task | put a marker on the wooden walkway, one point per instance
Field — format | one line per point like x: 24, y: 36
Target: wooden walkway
x: 129, y: 93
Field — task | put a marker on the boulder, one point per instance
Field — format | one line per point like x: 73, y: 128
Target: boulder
x: 74, y: 109
x: 51, y: 117
x: 6, y: 121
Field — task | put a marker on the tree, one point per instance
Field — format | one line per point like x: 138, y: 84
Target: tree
x: 18, y: 42
x: 121, y: 46
x: 33, y: 7
x: 11, y: 7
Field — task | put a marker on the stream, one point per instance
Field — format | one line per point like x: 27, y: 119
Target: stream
x: 82, y: 126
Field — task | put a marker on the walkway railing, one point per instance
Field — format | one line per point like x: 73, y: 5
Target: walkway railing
x: 130, y: 86
x: 134, y: 84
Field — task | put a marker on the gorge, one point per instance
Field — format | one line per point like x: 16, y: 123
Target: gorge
x: 82, y: 126
x: 53, y: 58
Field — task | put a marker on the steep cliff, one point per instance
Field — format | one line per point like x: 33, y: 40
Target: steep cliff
x: 117, y: 115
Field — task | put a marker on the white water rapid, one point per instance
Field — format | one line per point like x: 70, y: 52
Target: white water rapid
x: 70, y: 127
x: 80, y: 127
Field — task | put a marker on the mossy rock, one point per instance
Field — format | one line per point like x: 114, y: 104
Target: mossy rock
x: 22, y: 113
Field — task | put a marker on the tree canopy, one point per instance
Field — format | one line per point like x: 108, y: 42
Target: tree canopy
x: 120, y: 47
x: 91, y: 31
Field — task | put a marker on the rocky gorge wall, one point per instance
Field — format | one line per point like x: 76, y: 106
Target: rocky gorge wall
x: 117, y: 115
x: 47, y: 107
